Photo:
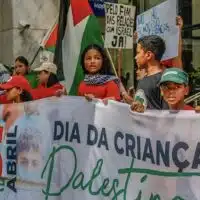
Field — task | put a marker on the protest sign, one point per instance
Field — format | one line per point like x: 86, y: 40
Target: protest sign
x: 119, y: 26
x: 68, y: 147
x: 161, y: 20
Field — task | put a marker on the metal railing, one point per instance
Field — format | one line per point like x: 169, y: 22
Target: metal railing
x: 194, y: 98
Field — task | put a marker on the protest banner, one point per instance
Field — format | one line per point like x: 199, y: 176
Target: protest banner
x: 119, y: 25
x: 68, y: 148
x: 161, y: 20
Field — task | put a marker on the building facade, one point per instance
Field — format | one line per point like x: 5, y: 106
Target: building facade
x: 41, y: 14
x: 23, y: 24
x: 189, y: 10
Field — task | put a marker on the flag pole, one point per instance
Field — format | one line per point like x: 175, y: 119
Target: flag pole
x: 36, y: 54
x: 110, y: 58
x: 122, y: 88
x: 45, y: 38
x: 47, y: 35
x: 119, y: 60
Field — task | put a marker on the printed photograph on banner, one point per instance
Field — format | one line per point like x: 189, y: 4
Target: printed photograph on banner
x: 119, y: 25
x: 156, y: 21
x: 30, y: 154
x: 27, y: 141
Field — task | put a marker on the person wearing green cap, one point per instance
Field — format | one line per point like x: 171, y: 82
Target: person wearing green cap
x: 174, y: 88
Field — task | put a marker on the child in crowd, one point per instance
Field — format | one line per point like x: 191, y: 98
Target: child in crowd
x: 177, y: 61
x: 149, y: 54
x: 150, y: 50
x: 48, y: 82
x: 17, y: 90
x: 22, y: 68
x: 140, y: 73
x: 174, y: 88
x: 99, y: 82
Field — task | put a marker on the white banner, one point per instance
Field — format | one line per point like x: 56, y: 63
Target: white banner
x: 68, y: 148
x: 119, y: 25
x: 161, y: 20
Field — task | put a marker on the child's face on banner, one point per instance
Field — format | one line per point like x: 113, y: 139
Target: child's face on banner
x: 30, y: 161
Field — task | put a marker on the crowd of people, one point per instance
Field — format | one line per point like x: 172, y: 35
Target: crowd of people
x: 161, y: 84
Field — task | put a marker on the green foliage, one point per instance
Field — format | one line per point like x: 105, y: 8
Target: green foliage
x: 195, y: 74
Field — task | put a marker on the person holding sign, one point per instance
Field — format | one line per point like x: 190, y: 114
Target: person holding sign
x: 177, y: 61
x: 150, y: 50
x: 99, y: 81
x: 174, y: 88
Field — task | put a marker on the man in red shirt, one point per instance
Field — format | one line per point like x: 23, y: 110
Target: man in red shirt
x: 174, y: 88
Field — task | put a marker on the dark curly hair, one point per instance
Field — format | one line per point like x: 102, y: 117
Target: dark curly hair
x: 153, y: 43
x: 106, y: 65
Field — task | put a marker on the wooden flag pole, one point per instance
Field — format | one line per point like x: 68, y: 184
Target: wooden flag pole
x: 110, y: 58
x: 119, y: 62
x: 122, y: 89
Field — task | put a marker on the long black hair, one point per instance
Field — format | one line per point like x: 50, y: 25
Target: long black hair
x: 24, y: 61
x: 25, y: 96
x: 106, y: 68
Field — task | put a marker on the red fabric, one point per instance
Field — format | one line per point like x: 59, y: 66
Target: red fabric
x: 51, y: 40
x: 80, y: 10
x: 187, y: 107
x: 3, y: 99
x: 167, y: 63
x: 16, y: 81
x: 42, y: 92
x: 109, y: 89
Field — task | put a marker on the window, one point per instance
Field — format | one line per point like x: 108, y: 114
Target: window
x: 189, y: 10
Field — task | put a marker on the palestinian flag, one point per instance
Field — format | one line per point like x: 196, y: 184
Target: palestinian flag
x: 78, y: 27
x: 49, y: 41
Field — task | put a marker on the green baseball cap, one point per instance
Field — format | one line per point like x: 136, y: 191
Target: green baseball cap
x: 174, y: 75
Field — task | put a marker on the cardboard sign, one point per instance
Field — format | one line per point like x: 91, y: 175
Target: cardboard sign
x: 161, y: 21
x: 119, y: 26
